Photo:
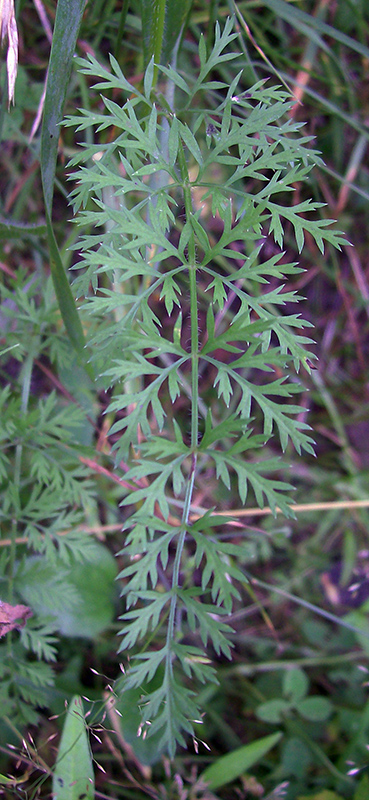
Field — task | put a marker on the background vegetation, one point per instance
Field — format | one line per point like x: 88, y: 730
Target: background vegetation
x: 294, y: 670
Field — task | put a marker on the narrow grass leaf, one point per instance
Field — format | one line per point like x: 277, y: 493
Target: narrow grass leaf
x: 232, y: 765
x: 63, y: 292
x: 67, y: 22
x: 73, y: 777
x: 303, y: 21
x: 161, y: 25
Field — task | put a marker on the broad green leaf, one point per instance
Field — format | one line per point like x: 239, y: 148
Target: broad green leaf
x: 231, y: 766
x: 73, y: 776
x: 295, y: 757
x: 94, y: 581
x: 358, y: 621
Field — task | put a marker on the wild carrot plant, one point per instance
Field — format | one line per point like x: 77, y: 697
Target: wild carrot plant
x: 148, y: 248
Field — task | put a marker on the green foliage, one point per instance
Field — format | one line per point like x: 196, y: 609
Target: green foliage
x: 45, y: 493
x: 147, y: 247
x: 52, y: 414
x: 60, y: 592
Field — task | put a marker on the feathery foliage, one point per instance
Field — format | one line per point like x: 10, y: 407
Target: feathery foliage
x: 146, y: 246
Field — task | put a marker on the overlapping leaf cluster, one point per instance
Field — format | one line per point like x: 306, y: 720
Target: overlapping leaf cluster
x: 148, y: 243
x: 44, y: 491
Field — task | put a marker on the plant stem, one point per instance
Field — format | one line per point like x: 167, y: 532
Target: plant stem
x: 194, y: 406
x: 176, y: 567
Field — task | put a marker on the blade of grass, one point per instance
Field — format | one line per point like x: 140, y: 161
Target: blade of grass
x: 305, y: 22
x: 63, y: 293
x: 232, y: 765
x: 253, y: 41
x: 67, y: 23
x: 161, y: 25
x: 122, y: 22
x: 73, y: 776
x: 308, y: 59
x: 297, y: 508
x: 310, y: 606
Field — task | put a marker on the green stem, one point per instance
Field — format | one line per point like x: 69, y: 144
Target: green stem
x: 194, y: 407
x: 176, y: 568
x: 310, y: 606
x: 193, y: 304
x: 292, y: 663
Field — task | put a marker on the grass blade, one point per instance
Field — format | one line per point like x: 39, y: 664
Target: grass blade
x: 63, y: 292
x: 303, y: 21
x: 67, y: 22
x: 232, y: 765
x: 73, y: 776
x: 161, y: 25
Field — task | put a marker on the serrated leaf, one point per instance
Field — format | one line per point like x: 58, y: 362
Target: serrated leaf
x: 141, y: 620
x: 190, y: 141
x: 146, y: 570
x: 207, y: 618
x: 217, y: 568
x: 224, y: 385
